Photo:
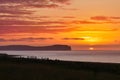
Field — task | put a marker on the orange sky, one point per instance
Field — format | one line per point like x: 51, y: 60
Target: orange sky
x: 83, y: 24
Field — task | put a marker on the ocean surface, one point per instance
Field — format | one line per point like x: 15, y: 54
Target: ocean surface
x: 84, y: 56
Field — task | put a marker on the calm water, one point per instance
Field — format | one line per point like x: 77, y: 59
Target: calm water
x: 91, y: 56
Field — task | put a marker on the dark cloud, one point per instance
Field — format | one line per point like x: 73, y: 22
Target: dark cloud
x: 44, y: 6
x: 34, y: 2
x: 61, y: 1
x: 114, y: 29
x: 35, y: 29
x: 98, y: 20
x: 24, y: 6
x: 104, y: 18
x: 22, y: 18
x: 52, y: 22
x: 26, y: 39
x: 2, y: 40
x: 14, y: 10
x: 115, y: 17
x: 68, y: 17
x: 9, y: 16
x: 44, y: 17
x: 85, y: 22
x: 15, y: 21
x: 73, y: 39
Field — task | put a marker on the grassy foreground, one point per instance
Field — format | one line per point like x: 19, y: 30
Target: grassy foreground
x: 12, y: 68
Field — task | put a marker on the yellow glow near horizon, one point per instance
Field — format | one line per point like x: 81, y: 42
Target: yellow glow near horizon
x: 92, y: 40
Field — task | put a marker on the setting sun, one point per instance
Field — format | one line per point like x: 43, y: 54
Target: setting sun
x: 91, y: 48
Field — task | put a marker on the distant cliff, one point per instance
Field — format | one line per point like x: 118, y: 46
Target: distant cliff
x: 46, y: 48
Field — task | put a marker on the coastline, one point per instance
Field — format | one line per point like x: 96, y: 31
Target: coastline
x: 84, y: 56
x: 22, y: 68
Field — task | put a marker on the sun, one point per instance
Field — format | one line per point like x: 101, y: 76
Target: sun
x: 91, y: 48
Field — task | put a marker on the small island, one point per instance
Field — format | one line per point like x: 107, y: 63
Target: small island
x: 32, y: 48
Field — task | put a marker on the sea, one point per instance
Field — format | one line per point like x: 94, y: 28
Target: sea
x: 103, y: 56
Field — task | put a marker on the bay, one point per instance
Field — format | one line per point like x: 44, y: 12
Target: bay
x: 103, y: 56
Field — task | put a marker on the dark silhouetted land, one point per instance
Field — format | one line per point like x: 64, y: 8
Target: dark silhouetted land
x: 25, y: 47
x: 14, y: 67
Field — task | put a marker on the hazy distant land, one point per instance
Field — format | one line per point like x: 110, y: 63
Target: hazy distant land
x: 26, y: 47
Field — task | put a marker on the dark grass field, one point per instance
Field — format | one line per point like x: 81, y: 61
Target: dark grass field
x: 12, y: 68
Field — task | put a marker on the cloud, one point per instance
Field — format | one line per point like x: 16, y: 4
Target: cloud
x: 15, y: 17
x: 101, y: 18
x: 85, y: 22
x: 34, y: 2
x: 115, y: 17
x: 73, y: 39
x: 104, y: 18
x: 68, y: 17
x: 14, y: 10
x: 28, y: 22
x: 35, y: 29
x: 15, y: 21
x: 61, y: 1
x: 44, y: 6
x: 98, y: 20
x: 25, y: 39
x: 25, y: 6
x: 114, y: 29
x: 2, y: 40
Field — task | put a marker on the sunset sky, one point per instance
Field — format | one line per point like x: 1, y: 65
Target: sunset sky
x: 82, y: 24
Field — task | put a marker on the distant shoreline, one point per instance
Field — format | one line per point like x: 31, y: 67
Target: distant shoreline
x: 2, y: 55
x: 87, y: 56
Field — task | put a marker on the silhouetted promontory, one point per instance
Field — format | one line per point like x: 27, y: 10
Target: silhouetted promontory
x: 41, y: 48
